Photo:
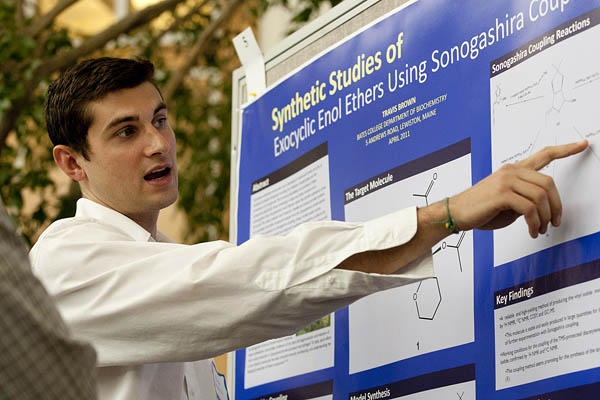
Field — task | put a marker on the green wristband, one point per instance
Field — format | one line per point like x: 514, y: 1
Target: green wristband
x: 449, y: 223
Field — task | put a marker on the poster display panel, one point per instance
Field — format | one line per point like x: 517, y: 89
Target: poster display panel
x: 415, y: 107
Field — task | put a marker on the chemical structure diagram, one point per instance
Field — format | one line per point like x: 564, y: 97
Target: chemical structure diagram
x: 534, y: 91
x: 524, y: 95
x: 591, y: 148
x: 498, y: 100
x: 555, y: 87
x: 456, y: 246
x: 428, y: 296
x: 551, y: 85
x: 561, y: 109
x: 426, y: 194
x: 558, y: 96
x: 559, y: 99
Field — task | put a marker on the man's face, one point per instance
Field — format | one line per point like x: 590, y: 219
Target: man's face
x: 132, y: 167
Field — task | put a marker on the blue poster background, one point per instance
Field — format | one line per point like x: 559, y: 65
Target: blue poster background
x: 427, y: 26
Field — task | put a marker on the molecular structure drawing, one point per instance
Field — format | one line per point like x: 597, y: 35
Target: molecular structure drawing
x: 558, y: 95
x: 455, y: 246
x: 591, y: 148
x: 428, y: 295
x: 531, y: 93
x: 498, y: 99
x: 426, y: 195
x: 428, y: 298
x: 559, y: 100
x: 523, y: 95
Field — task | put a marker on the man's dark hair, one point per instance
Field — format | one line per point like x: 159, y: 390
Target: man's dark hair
x: 67, y: 115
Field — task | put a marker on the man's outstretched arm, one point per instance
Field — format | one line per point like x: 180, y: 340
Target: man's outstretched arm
x: 493, y: 203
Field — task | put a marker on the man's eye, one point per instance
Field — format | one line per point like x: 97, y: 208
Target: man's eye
x: 126, y: 132
x: 160, y: 122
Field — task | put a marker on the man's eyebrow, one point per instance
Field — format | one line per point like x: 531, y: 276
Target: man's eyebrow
x: 160, y: 107
x: 120, y: 120
x: 129, y: 118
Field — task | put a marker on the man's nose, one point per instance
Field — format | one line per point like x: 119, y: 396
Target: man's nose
x: 158, y: 142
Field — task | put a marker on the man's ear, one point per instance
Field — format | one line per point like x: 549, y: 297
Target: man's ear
x: 67, y: 159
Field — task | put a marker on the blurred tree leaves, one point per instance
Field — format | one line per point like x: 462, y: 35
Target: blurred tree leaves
x: 34, y: 50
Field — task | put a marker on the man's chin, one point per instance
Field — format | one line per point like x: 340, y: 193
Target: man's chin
x: 169, y: 200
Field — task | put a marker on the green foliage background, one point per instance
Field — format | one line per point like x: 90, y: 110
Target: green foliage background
x: 33, y: 51
x: 321, y: 323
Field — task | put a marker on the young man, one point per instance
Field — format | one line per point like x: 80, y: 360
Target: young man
x: 148, y: 305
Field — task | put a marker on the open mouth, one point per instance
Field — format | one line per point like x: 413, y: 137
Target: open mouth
x: 159, y: 173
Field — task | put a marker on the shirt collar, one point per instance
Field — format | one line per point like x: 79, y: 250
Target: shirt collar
x: 90, y: 209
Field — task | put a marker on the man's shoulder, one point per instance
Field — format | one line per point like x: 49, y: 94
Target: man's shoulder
x: 69, y: 234
x: 80, y: 229
x: 69, y: 242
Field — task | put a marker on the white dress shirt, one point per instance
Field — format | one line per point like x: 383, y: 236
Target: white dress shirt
x: 149, y: 306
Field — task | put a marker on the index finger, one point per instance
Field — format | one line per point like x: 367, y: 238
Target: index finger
x: 548, y: 154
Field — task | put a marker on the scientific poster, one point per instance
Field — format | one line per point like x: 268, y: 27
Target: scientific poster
x: 418, y: 106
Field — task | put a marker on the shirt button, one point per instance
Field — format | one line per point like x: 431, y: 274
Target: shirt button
x: 331, y: 280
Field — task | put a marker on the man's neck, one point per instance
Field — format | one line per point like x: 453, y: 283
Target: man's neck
x: 147, y: 220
